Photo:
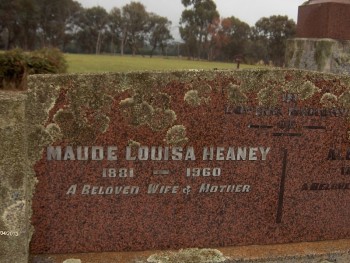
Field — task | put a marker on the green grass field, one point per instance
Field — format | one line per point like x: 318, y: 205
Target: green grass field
x: 108, y: 63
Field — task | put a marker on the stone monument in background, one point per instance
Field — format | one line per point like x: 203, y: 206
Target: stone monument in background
x: 323, y: 37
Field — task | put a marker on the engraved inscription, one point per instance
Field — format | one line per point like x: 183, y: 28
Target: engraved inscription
x: 154, y: 153
x: 345, y: 170
x: 208, y: 188
x: 121, y: 172
x: 162, y: 189
x: 334, y: 154
x: 292, y: 111
x: 325, y: 186
x: 203, y: 172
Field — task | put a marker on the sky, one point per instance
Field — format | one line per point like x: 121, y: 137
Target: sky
x: 248, y: 11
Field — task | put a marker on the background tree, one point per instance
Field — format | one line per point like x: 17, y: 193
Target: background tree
x: 65, y: 24
x: 18, y: 23
x: 93, y: 26
x: 195, y: 23
x: 232, y: 38
x: 31, y: 24
x: 114, y: 25
x: 134, y: 26
x: 72, y: 27
x: 273, y: 32
x: 159, y: 33
x: 257, y: 50
x: 213, y: 44
x: 53, y: 18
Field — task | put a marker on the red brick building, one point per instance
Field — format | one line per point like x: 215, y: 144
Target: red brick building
x: 324, y: 19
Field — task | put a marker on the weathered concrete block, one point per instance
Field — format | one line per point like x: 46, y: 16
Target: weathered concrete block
x: 326, y: 55
x: 15, y: 194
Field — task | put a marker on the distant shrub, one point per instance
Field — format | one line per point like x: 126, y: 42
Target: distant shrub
x: 16, y: 65
x: 13, y: 69
x: 47, y: 61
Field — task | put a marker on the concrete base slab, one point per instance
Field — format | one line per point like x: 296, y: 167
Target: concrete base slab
x: 315, y: 252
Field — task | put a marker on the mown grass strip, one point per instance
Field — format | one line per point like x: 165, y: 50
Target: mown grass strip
x: 107, y: 63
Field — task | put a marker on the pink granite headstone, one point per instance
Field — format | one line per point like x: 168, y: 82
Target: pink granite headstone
x: 190, y: 159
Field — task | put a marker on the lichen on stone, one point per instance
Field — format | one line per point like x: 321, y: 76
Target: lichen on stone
x: 162, y: 119
x: 81, y: 129
x: 101, y: 122
x: 38, y: 137
x: 328, y: 100
x: 235, y: 95
x: 342, y: 58
x: 199, y: 93
x: 145, y: 82
x: 54, y: 131
x: 176, y: 135
x: 307, y: 90
x: 151, y: 109
x: 298, y: 53
x: 87, y: 95
x: 251, y: 81
x: 191, y: 255
x: 344, y: 99
x: 294, y: 53
x: 72, y: 260
x: 137, y: 111
x: 204, y: 89
x: 322, y: 53
x: 290, y: 50
x: 269, y: 96
x: 85, y: 113
x: 293, y: 86
x: 345, y: 82
x: 134, y: 144
x: 160, y: 100
x: 192, y: 98
x: 14, y: 216
x: 255, y: 80
x: 4, y: 191
x: 65, y: 119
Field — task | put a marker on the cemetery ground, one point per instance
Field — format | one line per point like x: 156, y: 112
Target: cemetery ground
x: 78, y: 63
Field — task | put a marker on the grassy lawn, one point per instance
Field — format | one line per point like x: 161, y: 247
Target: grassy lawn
x: 108, y: 63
